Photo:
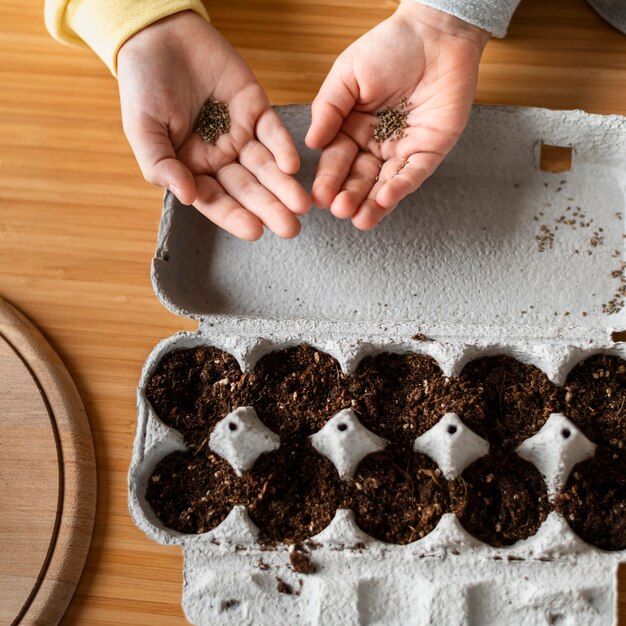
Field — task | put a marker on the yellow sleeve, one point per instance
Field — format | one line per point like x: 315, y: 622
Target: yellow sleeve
x: 104, y: 25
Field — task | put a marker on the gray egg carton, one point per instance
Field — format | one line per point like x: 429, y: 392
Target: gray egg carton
x: 460, y: 262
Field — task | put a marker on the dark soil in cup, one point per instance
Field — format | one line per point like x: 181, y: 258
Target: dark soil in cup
x: 593, y: 500
x: 297, y: 390
x: 400, y: 396
x: 500, y: 499
x: 191, y: 390
x: 397, y: 496
x: 213, y: 121
x: 292, y: 493
x: 193, y: 494
x: 595, y: 400
x: 503, y: 400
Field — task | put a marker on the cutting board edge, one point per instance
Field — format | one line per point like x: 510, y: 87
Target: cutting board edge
x: 72, y: 539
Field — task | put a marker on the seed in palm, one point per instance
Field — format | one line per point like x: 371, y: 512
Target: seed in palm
x: 212, y: 121
x: 391, y: 125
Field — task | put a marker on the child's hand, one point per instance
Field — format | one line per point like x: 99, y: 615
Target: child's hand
x: 243, y: 182
x: 420, y: 56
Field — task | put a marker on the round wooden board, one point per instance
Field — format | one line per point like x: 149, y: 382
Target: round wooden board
x: 47, y: 477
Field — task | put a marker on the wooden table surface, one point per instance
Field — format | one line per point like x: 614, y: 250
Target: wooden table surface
x: 78, y: 224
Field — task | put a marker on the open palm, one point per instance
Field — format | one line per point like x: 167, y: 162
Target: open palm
x: 244, y: 181
x: 421, y: 61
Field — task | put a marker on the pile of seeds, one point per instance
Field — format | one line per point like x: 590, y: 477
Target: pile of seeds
x: 391, y: 124
x: 212, y: 121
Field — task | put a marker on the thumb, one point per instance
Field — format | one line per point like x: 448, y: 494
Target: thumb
x: 156, y: 157
x: 336, y: 98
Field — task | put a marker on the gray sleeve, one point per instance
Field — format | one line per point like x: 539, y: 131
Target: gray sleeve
x: 613, y: 11
x: 491, y: 15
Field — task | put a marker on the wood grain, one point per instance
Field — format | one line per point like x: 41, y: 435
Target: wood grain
x: 29, y: 485
x: 78, y: 224
x: 47, y: 477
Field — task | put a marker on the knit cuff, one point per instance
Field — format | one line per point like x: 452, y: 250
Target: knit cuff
x: 105, y: 25
x: 613, y: 11
x: 490, y: 15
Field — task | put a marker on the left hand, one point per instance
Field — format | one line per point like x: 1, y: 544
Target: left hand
x: 421, y: 57
x: 244, y: 182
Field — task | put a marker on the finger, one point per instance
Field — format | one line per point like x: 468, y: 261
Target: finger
x: 415, y: 170
x: 256, y: 158
x: 215, y: 204
x: 362, y: 178
x: 333, y: 169
x: 370, y: 213
x: 157, y: 160
x: 276, y: 138
x: 360, y: 128
x: 250, y: 194
x: 336, y: 98
x: 388, y: 170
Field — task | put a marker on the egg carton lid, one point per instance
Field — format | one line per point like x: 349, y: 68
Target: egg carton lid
x: 491, y: 244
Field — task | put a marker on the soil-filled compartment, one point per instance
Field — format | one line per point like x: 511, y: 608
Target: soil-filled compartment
x: 397, y: 496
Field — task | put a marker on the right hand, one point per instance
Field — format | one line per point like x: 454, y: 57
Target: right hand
x: 420, y: 60
x: 245, y: 181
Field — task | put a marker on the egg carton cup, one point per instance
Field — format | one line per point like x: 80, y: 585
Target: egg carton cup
x: 431, y: 269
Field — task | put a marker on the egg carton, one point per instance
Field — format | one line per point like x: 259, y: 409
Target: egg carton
x: 466, y: 262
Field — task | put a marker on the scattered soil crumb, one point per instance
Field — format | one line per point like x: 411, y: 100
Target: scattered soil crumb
x: 283, y: 587
x: 301, y: 561
x: 229, y: 604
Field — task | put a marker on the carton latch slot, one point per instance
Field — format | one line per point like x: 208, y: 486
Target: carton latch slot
x: 555, y: 159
